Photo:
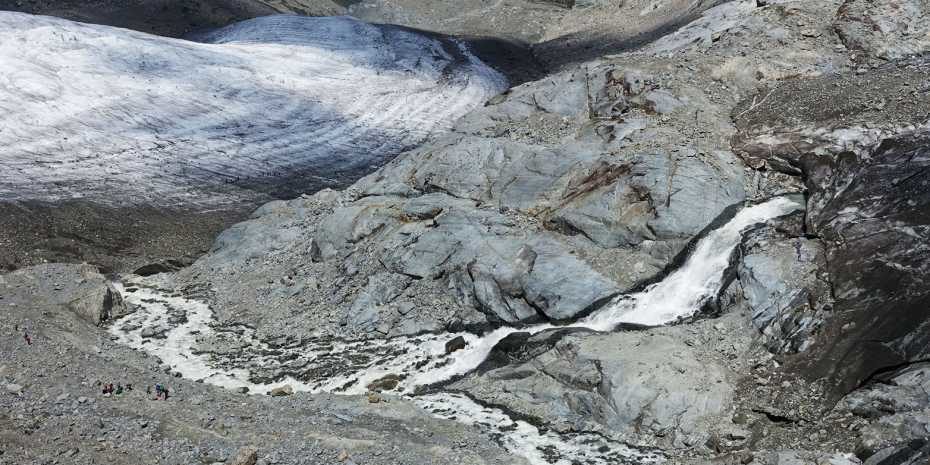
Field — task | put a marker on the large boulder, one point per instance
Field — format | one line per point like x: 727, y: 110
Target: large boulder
x: 663, y: 387
x: 80, y: 289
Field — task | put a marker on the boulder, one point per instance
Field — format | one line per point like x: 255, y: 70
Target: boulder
x: 456, y: 343
x: 80, y: 289
x: 281, y: 391
x: 98, y: 303
x: 644, y: 387
x: 245, y: 456
x: 386, y: 383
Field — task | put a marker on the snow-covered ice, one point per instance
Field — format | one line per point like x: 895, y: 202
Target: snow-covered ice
x: 112, y: 115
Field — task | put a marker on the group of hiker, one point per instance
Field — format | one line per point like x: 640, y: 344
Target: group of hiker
x: 161, y: 391
x: 108, y: 389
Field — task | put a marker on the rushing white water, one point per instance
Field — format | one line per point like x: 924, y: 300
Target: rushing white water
x: 683, y: 292
x: 528, y: 441
x: 174, y: 329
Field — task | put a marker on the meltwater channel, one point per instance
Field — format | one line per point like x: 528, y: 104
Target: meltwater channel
x: 422, y: 360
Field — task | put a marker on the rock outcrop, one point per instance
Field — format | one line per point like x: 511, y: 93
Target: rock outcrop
x: 885, y: 29
x: 783, y: 281
x: 900, y: 409
x: 667, y: 388
x: 80, y: 289
x: 864, y: 163
x: 549, y: 200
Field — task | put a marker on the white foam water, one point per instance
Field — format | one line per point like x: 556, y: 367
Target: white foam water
x: 526, y: 440
x: 684, y: 291
x: 349, y: 367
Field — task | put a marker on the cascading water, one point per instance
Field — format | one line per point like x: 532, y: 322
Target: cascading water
x: 684, y: 291
x: 171, y: 328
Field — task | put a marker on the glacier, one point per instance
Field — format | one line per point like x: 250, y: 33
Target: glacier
x: 269, y: 107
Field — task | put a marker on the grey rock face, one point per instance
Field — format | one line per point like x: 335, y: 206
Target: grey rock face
x: 381, y: 290
x: 648, y: 387
x: 886, y: 29
x: 539, y: 206
x: 911, y: 453
x: 876, y: 220
x: 899, y: 410
x: 783, y: 284
x: 867, y: 206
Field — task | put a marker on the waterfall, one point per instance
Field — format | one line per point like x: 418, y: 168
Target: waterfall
x: 679, y: 295
x: 684, y: 291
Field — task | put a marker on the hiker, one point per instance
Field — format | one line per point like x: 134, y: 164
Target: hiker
x: 128, y: 386
x: 161, y: 392
x: 148, y: 389
x: 119, y: 389
x: 27, y: 338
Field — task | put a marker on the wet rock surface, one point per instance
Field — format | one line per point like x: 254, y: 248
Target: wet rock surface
x: 666, y: 388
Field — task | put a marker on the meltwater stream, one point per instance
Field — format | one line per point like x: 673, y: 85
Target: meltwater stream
x: 175, y: 329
